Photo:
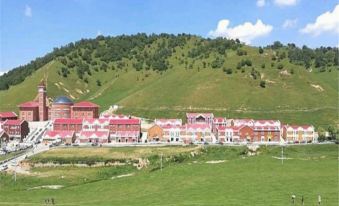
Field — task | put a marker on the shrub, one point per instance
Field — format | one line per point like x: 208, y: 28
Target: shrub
x: 280, y: 66
x: 263, y: 83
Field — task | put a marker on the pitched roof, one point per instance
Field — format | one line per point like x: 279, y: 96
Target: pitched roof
x: 94, y: 134
x: 13, y: 122
x: 199, y: 114
x: 219, y: 120
x: 162, y: 122
x: 299, y: 126
x: 124, y: 121
x: 67, y: 121
x: 58, y: 134
x: 198, y: 126
x: 8, y: 114
x: 96, y: 121
x: 85, y: 104
x: 29, y: 104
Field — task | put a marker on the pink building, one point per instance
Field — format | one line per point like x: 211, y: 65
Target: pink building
x: 200, y: 118
x: 8, y: 115
x: 67, y: 137
x: 99, y: 137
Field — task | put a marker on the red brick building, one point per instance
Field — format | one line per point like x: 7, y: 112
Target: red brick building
x: 125, y: 130
x: 94, y: 137
x: 36, y: 110
x: 40, y: 109
x: 67, y: 125
x: 16, y: 129
x: 85, y: 109
x: 8, y: 115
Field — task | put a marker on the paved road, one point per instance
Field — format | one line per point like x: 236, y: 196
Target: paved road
x: 13, y: 164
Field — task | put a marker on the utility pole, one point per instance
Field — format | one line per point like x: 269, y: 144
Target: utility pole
x: 161, y: 162
x: 282, y: 155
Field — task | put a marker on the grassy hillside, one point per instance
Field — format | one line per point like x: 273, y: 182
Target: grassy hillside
x: 192, y: 83
x: 236, y: 179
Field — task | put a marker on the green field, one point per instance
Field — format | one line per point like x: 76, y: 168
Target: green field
x: 184, y: 180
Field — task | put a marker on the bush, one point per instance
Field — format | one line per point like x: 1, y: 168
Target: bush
x: 263, y: 66
x: 228, y: 70
x: 280, y: 66
x: 98, y: 82
x: 261, y: 50
x: 263, y: 83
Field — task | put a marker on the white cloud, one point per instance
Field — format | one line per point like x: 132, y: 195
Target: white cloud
x: 245, y: 32
x: 2, y: 72
x: 285, y: 2
x: 289, y: 23
x: 99, y: 33
x: 326, y: 22
x: 28, y: 11
x: 261, y: 3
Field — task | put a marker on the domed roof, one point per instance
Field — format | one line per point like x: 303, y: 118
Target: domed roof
x: 62, y: 100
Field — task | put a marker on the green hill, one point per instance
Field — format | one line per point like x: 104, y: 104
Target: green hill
x: 166, y: 75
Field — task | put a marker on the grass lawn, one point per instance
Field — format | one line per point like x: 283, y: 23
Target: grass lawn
x: 239, y: 180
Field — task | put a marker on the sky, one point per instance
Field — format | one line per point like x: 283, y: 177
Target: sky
x: 31, y: 28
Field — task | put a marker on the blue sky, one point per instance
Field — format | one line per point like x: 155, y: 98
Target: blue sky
x: 32, y: 28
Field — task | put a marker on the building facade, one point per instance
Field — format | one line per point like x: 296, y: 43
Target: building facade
x: 16, y: 129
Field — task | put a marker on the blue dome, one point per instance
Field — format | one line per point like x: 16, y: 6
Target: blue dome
x: 62, y: 100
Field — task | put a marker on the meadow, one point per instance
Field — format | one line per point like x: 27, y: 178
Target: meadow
x: 215, y: 175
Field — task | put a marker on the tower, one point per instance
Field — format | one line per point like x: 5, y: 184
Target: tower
x: 42, y: 101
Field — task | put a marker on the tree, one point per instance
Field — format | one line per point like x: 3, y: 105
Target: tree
x: 263, y: 83
x: 263, y: 65
x: 261, y: 50
x: 98, y: 83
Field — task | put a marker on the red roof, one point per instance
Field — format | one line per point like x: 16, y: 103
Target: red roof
x: 85, y: 104
x: 199, y: 114
x: 198, y: 126
x: 92, y: 121
x: 94, y: 134
x: 58, y: 134
x: 219, y: 120
x: 124, y: 121
x: 13, y: 122
x: 68, y: 121
x: 297, y: 126
x: 8, y: 115
x: 29, y: 104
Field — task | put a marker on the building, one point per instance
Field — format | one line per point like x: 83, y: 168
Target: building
x: 168, y: 122
x: 85, y: 109
x: 99, y: 137
x: 298, y: 133
x: 4, y: 137
x: 40, y: 109
x: 224, y: 134
x: 218, y: 122
x: 16, y: 129
x: 155, y: 133
x: 125, y: 130
x: 242, y: 122
x: 8, y: 115
x: 198, y: 132
x: 68, y: 125
x: 173, y: 133
x: 200, y: 118
x: 67, y: 137
x: 266, y: 131
x: 61, y: 108
x: 36, y: 110
x: 242, y: 134
x: 95, y: 124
